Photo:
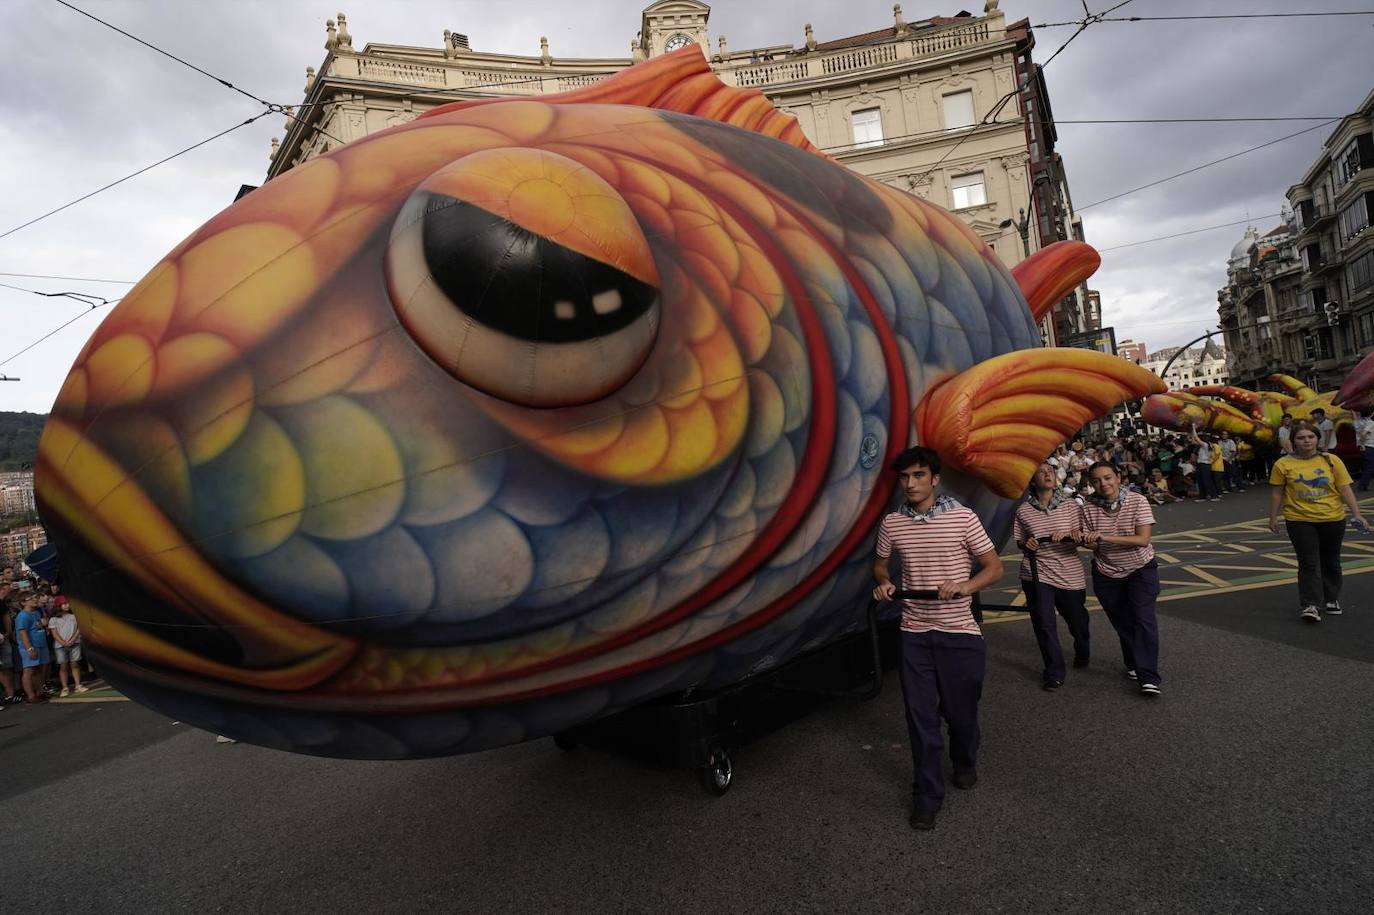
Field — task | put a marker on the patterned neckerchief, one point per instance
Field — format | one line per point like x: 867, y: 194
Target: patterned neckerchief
x: 1113, y: 504
x: 941, y: 505
x: 1058, y: 498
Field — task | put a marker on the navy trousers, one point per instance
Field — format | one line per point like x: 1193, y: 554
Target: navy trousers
x: 942, y: 677
x: 1207, y: 482
x: 1130, y: 606
x: 1072, y: 605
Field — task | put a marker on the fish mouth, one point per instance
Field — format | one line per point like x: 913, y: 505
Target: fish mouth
x: 161, y: 602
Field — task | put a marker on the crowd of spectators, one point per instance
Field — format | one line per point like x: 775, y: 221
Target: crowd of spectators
x: 1164, y: 467
x: 40, y: 641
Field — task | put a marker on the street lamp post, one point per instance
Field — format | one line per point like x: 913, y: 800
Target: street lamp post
x: 1022, y: 227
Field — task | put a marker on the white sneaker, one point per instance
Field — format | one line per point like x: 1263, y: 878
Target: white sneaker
x: 1149, y: 689
x: 220, y: 738
x: 83, y: 689
x: 1130, y: 675
x: 65, y: 692
x: 1333, y: 608
x: 1310, y: 615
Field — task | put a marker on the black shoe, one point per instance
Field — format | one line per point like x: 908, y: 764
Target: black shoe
x: 1080, y: 662
x: 965, y: 780
x: 1050, y: 686
x: 923, y: 819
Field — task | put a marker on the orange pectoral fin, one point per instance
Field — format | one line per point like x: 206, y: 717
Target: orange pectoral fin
x: 1050, y: 273
x: 998, y: 420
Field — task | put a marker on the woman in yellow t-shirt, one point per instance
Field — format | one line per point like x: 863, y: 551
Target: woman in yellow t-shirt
x: 1311, y: 487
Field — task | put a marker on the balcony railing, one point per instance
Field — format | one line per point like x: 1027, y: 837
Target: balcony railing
x: 449, y: 78
x: 818, y: 65
x: 515, y: 77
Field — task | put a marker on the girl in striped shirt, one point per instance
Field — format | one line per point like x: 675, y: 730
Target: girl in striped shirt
x: 1117, y: 525
x: 1048, y: 524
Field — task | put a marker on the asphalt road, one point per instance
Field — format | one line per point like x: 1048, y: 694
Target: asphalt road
x: 1246, y: 788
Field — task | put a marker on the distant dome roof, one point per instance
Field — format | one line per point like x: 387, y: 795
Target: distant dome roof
x: 1243, y: 247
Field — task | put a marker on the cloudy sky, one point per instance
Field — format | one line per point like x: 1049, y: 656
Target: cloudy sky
x: 82, y: 106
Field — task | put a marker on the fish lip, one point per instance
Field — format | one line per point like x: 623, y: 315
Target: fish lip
x: 109, y: 525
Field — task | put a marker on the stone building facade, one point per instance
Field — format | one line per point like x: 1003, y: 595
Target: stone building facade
x: 1300, y: 299
x: 951, y: 109
x: 17, y: 544
x: 1199, y: 365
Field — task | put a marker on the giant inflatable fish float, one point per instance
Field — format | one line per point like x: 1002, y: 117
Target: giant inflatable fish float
x: 523, y: 412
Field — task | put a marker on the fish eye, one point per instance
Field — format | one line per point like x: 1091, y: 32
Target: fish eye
x: 526, y: 276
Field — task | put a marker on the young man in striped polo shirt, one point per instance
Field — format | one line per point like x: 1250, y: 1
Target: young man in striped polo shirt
x: 943, y: 655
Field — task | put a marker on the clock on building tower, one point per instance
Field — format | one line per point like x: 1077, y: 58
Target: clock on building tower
x: 677, y: 41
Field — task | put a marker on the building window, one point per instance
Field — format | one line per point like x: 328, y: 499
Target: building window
x: 1357, y: 155
x: 1355, y: 218
x: 1313, y: 299
x: 959, y: 110
x: 967, y: 191
x: 1312, y: 257
x: 1366, y: 326
x: 868, y: 127
x: 1360, y: 271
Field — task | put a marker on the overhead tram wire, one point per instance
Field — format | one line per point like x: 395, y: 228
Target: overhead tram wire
x: 1053, y: 25
x: 82, y: 297
x: 1198, y: 168
x: 72, y: 279
x: 63, y: 326
x: 272, y: 107
x: 146, y: 168
x: 169, y: 54
x: 1222, y: 225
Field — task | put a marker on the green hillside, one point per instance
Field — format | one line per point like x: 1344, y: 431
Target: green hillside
x: 19, y: 434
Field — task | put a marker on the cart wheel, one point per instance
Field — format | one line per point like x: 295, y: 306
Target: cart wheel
x: 565, y: 742
x: 716, y: 776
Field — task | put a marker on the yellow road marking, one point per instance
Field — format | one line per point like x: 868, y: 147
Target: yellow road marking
x: 1166, y: 557
x: 1227, y: 568
x: 1207, y: 576
x: 1205, y: 551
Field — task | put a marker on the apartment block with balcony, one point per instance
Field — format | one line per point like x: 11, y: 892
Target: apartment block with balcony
x: 916, y: 105
x: 1332, y: 207
x: 1260, y: 307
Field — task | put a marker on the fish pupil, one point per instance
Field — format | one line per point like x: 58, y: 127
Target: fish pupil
x: 523, y: 284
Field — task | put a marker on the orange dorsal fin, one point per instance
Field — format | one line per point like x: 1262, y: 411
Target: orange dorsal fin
x: 1050, y: 273
x: 998, y: 420
x: 681, y: 81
